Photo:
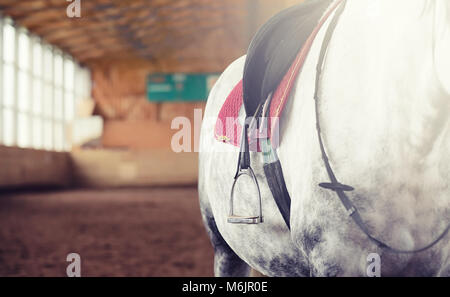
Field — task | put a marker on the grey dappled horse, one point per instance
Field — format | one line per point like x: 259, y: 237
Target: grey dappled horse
x: 385, y: 102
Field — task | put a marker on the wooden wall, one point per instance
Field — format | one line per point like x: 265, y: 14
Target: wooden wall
x: 131, y: 168
x: 32, y: 168
x: 26, y: 168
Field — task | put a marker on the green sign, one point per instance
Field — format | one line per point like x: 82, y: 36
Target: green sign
x: 180, y: 86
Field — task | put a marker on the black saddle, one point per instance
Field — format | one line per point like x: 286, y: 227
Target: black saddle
x: 274, y: 48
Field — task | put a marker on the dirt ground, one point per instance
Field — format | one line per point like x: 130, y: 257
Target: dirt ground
x: 134, y: 232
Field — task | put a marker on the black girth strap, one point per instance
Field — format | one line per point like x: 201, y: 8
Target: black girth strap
x: 274, y: 174
x: 277, y: 185
x: 334, y: 184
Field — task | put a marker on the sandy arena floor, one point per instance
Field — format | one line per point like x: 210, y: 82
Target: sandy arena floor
x: 137, y: 232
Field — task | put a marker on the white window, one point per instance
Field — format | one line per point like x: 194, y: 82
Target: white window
x: 9, y: 78
x: 9, y: 42
x: 39, y: 88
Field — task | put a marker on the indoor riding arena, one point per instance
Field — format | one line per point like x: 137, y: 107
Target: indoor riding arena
x: 94, y: 95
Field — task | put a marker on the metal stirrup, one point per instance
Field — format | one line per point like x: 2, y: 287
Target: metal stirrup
x: 235, y: 219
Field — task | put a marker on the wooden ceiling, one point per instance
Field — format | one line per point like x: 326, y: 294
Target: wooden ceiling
x: 199, y: 31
